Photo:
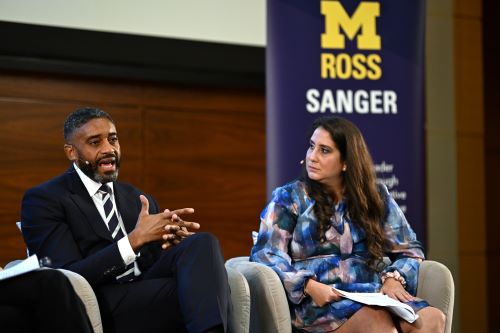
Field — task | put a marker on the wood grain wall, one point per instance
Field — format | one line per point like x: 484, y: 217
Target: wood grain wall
x: 472, y: 289
x: 189, y: 146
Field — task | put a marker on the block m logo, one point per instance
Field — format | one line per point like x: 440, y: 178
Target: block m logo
x: 363, y: 19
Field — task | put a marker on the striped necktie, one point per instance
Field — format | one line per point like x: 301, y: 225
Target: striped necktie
x: 109, y: 213
x: 114, y: 228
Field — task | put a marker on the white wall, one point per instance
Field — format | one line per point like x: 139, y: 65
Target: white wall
x: 226, y: 21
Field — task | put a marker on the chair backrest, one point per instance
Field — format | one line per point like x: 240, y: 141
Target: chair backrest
x: 436, y: 286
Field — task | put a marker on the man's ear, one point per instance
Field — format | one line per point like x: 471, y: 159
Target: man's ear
x: 70, y: 152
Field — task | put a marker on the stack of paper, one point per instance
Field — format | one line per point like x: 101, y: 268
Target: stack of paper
x: 25, y: 266
x: 398, y: 308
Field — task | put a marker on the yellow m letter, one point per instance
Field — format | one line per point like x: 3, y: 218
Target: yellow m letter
x: 363, y: 19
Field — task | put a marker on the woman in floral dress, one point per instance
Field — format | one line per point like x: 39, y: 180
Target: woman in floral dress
x: 331, y: 229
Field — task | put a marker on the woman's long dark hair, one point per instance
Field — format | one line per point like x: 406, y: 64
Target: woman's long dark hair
x: 364, y: 204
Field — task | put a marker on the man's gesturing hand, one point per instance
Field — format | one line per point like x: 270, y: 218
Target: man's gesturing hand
x: 177, y: 231
x: 153, y: 227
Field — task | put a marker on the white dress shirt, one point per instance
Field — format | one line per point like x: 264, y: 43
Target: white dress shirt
x: 126, y: 251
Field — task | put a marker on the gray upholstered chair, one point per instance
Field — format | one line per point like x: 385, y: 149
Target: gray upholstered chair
x: 84, y: 291
x: 239, y: 319
x: 269, y: 307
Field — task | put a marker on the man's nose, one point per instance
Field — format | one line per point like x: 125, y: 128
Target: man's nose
x: 108, y: 147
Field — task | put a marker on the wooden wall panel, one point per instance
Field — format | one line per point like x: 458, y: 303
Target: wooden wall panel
x: 211, y: 161
x: 187, y: 146
x: 130, y: 128
x: 30, y: 152
x: 65, y: 89
x: 471, y: 178
x: 206, y: 98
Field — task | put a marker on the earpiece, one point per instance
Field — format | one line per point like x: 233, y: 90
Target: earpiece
x: 84, y: 161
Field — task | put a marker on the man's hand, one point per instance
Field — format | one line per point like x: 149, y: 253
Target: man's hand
x: 161, y: 226
x: 321, y: 293
x: 394, y: 289
x: 176, y: 232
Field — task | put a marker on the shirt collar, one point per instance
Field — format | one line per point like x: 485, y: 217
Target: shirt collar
x: 91, y: 185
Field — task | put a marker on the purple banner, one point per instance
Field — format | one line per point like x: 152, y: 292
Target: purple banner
x: 362, y: 60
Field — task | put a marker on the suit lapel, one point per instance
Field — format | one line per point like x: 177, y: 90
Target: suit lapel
x: 129, y: 211
x: 84, y: 202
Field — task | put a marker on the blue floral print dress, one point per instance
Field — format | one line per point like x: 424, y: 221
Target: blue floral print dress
x: 288, y: 242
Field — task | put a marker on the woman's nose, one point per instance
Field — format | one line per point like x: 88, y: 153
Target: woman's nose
x: 312, y: 155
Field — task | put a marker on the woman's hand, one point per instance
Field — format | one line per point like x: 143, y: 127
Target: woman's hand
x: 394, y: 289
x: 321, y: 293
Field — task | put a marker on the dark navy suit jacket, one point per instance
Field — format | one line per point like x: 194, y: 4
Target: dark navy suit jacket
x: 59, y: 220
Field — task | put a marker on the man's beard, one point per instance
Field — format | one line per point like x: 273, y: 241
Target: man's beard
x: 91, y: 171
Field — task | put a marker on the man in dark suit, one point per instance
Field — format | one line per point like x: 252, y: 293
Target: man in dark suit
x: 149, y: 271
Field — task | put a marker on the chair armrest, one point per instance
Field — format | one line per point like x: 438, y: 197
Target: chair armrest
x: 84, y: 291
x: 87, y: 295
x: 239, y: 319
x: 269, y: 305
x: 436, y: 286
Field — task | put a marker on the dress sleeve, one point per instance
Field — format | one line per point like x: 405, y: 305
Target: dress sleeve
x: 278, y: 222
x: 402, y: 246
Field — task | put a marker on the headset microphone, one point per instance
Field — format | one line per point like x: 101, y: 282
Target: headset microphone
x: 83, y: 161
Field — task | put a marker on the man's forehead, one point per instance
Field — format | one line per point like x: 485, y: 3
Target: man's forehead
x: 96, y: 127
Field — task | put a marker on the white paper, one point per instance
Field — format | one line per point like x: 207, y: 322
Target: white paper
x: 398, y: 308
x: 27, y: 265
